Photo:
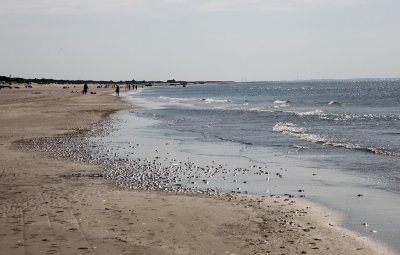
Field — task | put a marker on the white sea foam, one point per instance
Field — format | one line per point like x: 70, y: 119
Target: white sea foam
x: 291, y: 129
x: 384, y: 152
x: 176, y: 100
x: 281, y: 101
x: 310, y: 113
x: 206, y: 100
x: 258, y: 109
x: 323, y: 115
x: 211, y: 100
x: 344, y: 116
x: 288, y: 128
x: 334, y: 103
x: 281, y: 105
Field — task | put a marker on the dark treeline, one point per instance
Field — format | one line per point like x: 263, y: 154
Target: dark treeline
x: 5, y: 79
x: 10, y: 80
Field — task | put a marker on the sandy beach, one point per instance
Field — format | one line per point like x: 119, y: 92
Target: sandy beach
x: 50, y: 206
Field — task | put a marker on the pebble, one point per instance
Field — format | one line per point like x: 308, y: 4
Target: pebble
x: 158, y: 173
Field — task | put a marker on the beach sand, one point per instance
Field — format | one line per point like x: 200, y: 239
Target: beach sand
x: 50, y: 206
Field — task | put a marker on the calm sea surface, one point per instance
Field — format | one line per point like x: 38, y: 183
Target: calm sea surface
x: 339, y: 141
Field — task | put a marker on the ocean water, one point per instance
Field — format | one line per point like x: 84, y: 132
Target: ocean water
x: 336, y: 142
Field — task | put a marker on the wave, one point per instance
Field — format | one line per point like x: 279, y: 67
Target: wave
x: 291, y: 129
x: 309, y: 113
x: 344, y: 116
x: 206, y: 100
x: 212, y: 100
x: 322, y: 115
x: 281, y: 101
x: 334, y: 103
x: 281, y: 105
x: 244, y: 109
x: 176, y: 99
x: 288, y: 128
x: 259, y: 109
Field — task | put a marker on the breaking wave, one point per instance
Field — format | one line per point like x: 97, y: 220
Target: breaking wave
x: 211, y: 100
x: 291, y: 129
x: 206, y: 100
x: 344, y: 116
x: 281, y: 101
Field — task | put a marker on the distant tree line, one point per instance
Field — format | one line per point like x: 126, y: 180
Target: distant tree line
x: 5, y: 79
x: 10, y: 80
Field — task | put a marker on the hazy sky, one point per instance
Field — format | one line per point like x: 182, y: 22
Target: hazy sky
x: 200, y: 39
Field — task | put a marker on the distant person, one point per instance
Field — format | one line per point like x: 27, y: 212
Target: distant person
x: 117, y: 90
x: 85, y: 89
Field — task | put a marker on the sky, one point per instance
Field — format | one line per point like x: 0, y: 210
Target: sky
x: 235, y: 40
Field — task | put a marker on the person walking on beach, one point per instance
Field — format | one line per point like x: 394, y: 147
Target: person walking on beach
x: 85, y: 89
x: 117, y: 90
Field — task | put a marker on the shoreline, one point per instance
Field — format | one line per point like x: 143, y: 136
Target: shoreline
x: 59, y: 206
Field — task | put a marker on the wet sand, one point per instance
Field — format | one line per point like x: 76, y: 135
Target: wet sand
x: 53, y: 206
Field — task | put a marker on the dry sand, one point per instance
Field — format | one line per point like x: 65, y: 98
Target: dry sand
x: 47, y: 208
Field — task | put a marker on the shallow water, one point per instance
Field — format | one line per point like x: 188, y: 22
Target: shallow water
x: 327, y: 141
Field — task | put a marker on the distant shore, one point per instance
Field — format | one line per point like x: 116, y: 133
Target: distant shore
x: 51, y: 206
x: 8, y: 82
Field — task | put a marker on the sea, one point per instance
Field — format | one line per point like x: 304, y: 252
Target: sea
x: 334, y: 142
